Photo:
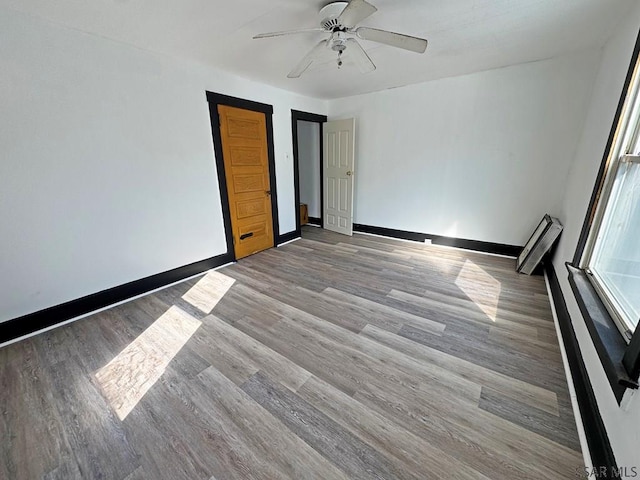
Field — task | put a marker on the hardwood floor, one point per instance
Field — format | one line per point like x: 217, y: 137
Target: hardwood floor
x: 330, y: 357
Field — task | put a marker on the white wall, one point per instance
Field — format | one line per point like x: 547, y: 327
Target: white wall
x: 480, y: 157
x: 622, y: 426
x: 309, y: 163
x: 107, y: 171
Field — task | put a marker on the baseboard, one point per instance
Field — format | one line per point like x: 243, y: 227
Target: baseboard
x: 390, y: 232
x: 479, y: 246
x: 52, y: 316
x: 602, y: 456
x: 315, y: 221
x: 287, y: 237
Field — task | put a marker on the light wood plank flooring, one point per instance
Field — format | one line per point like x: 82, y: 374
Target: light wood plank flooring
x: 331, y: 357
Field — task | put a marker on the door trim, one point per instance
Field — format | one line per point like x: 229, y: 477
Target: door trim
x: 314, y: 118
x: 215, y: 99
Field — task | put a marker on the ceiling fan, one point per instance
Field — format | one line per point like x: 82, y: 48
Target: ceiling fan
x: 340, y: 20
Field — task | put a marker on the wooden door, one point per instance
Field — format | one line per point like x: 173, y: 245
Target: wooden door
x: 246, y: 167
x: 339, y: 158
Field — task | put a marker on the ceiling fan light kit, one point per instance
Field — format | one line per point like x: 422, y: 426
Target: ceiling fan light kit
x: 340, y: 19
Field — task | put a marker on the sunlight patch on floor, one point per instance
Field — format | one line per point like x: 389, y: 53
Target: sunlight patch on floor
x: 206, y: 294
x: 130, y: 375
x: 480, y: 287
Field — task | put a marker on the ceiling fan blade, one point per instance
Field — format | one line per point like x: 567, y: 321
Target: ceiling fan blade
x: 359, y: 56
x: 288, y: 32
x: 306, y: 62
x: 406, y: 42
x: 355, y: 12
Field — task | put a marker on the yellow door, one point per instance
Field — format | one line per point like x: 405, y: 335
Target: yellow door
x: 246, y: 166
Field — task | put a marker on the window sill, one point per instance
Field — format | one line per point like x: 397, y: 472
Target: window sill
x: 607, y: 339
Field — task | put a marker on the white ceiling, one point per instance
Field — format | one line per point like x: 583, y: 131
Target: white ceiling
x: 465, y: 35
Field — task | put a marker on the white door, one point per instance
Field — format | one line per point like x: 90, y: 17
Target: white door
x: 338, y: 162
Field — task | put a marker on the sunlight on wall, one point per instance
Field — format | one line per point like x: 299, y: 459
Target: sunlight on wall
x: 126, y: 378
x: 480, y: 287
x: 452, y: 231
x: 206, y: 294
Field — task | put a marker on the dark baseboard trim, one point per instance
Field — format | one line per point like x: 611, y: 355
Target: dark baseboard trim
x: 315, y: 221
x: 477, y: 245
x: 287, y: 237
x: 597, y: 438
x: 49, y: 317
x: 390, y: 232
x: 486, y: 247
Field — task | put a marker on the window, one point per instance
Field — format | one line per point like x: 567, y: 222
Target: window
x: 612, y: 255
x: 605, y: 272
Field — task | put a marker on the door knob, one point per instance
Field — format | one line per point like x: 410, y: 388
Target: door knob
x: 268, y: 192
x: 349, y: 173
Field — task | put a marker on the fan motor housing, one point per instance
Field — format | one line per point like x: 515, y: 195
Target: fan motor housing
x: 329, y: 15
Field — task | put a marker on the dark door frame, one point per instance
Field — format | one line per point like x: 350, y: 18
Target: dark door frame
x: 314, y: 118
x: 214, y: 100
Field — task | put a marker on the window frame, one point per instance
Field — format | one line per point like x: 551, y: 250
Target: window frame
x: 617, y: 158
x: 619, y: 353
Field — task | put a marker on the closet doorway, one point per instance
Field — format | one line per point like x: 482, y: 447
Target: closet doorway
x: 308, y: 169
